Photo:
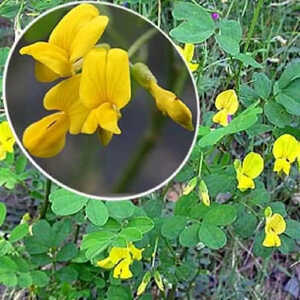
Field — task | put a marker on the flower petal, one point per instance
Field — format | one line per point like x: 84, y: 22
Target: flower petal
x: 43, y: 73
x: 286, y: 146
x: 118, y: 77
x: 91, y: 123
x: 135, y: 252
x: 188, y: 51
x: 253, y: 165
x: 122, y: 269
x: 63, y: 95
x: 193, y: 67
x: 108, y: 118
x: 7, y: 140
x: 93, y: 78
x: 87, y: 37
x: 53, y: 57
x: 221, y: 117
x: 282, y: 164
x: 271, y: 240
x: 227, y: 100
x: 276, y: 224
x: 68, y: 27
x: 244, y: 183
x: 106, y: 263
x: 46, y: 137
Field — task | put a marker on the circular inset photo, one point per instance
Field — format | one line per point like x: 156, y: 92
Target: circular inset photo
x: 101, y: 100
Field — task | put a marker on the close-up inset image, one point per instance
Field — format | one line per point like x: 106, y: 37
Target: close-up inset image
x: 105, y: 103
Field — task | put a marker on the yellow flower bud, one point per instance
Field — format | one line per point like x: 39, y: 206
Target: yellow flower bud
x: 143, y: 285
x: 203, y: 191
x: 158, y: 280
x: 190, y: 186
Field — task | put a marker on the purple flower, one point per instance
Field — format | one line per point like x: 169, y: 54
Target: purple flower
x: 229, y: 118
x: 215, y: 16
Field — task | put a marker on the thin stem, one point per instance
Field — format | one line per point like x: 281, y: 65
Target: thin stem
x: 154, y: 253
x: 253, y: 23
x: 140, y: 41
x: 159, y: 13
x: 200, y: 165
x: 46, y: 203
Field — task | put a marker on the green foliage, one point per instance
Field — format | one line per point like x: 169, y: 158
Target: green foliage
x: 187, y: 246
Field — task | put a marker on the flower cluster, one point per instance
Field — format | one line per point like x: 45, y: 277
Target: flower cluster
x: 96, y: 84
x: 120, y: 258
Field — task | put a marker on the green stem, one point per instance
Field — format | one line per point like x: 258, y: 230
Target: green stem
x: 140, y: 41
x: 46, y: 203
x: 253, y: 23
x: 200, y: 165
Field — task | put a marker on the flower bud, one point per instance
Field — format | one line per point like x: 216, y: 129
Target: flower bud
x: 142, y: 75
x: 190, y: 186
x: 203, y: 191
x: 158, y: 280
x: 268, y: 212
x: 143, y: 285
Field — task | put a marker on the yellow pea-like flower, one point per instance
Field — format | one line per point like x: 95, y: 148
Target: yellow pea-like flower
x: 285, y: 150
x: 275, y: 225
x: 76, y: 33
x: 227, y: 104
x: 120, y: 258
x: 46, y: 137
x: 248, y: 170
x: 104, y: 90
x: 188, y: 53
x: 7, y: 140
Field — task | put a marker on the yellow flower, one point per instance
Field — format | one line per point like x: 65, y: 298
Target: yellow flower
x: 72, y: 38
x: 120, y: 259
x: 251, y: 168
x: 168, y: 103
x: 7, y: 140
x: 188, y: 53
x: 46, y: 137
x: 227, y: 104
x: 104, y: 90
x: 285, y: 150
x: 275, y: 225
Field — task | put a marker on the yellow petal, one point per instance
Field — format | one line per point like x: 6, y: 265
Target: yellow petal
x: 221, y: 118
x: 188, y: 51
x: 105, y: 263
x: 7, y: 140
x: 286, y: 146
x: 253, y: 165
x: 105, y: 136
x: 53, y: 57
x: 107, y: 117
x: 271, y: 240
x: 93, y: 78
x: 43, y: 73
x: 282, y: 164
x: 68, y: 27
x: 91, y: 123
x: 65, y: 97
x: 227, y: 100
x: 122, y: 269
x: 118, y: 77
x: 46, y: 137
x: 87, y: 37
x: 275, y: 224
x: 193, y: 67
x: 118, y: 253
x: 135, y: 252
x: 244, y: 183
x: 169, y: 104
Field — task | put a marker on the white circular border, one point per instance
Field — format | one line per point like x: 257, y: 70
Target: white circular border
x: 130, y: 197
